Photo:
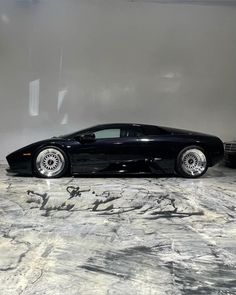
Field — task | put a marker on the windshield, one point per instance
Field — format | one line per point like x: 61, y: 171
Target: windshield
x: 72, y: 135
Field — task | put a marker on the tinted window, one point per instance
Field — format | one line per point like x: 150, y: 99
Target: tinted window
x: 130, y: 132
x: 115, y: 132
x: 107, y: 133
x: 152, y: 130
x: 118, y: 132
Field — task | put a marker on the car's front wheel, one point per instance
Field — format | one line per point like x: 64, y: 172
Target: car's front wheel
x: 50, y: 162
x: 192, y: 162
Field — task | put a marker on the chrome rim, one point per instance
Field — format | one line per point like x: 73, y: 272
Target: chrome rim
x: 50, y: 162
x: 194, y: 162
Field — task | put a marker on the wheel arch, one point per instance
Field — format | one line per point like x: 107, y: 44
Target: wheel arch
x: 51, y: 145
x: 187, y: 147
x: 205, y: 149
x: 199, y: 145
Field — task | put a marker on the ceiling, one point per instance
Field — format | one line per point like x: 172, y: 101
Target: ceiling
x: 198, y: 2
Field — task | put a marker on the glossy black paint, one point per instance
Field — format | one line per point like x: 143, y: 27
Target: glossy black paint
x: 230, y: 154
x: 140, y: 153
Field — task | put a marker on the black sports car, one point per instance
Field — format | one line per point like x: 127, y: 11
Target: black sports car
x: 230, y: 153
x: 120, y: 148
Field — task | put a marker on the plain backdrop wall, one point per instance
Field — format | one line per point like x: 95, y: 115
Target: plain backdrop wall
x: 66, y: 65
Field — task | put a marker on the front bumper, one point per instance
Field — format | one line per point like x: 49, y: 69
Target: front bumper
x: 19, y: 164
x: 11, y: 171
x: 18, y: 171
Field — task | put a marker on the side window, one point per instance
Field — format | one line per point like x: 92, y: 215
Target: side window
x: 152, y: 130
x: 130, y: 132
x: 107, y: 133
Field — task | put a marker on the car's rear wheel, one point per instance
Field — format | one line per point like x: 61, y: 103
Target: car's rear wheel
x: 50, y: 162
x: 192, y: 162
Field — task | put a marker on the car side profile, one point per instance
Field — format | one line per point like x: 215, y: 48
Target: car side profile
x: 120, y: 149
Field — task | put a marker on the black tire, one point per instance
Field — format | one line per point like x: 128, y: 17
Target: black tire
x: 192, y: 162
x: 50, y: 162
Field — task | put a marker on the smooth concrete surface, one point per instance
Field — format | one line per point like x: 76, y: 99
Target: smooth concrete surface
x: 130, y: 235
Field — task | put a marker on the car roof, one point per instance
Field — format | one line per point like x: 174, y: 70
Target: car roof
x: 122, y: 124
x: 111, y: 125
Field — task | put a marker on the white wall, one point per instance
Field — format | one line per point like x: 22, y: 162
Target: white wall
x: 114, y: 61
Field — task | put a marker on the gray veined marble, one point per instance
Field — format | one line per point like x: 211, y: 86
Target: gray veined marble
x: 118, y: 236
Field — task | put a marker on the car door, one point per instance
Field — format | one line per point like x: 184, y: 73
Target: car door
x: 158, y: 149
x: 115, y: 149
x: 126, y: 154
x: 92, y: 157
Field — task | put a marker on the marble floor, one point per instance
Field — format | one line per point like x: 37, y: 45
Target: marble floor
x: 134, y: 236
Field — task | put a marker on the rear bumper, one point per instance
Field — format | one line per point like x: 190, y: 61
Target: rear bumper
x: 230, y: 159
x: 216, y: 152
x: 216, y: 159
x: 11, y: 171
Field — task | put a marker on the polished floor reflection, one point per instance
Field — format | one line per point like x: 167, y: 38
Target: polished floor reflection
x: 118, y: 235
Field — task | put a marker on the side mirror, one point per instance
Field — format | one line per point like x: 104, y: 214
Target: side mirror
x: 86, y: 138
